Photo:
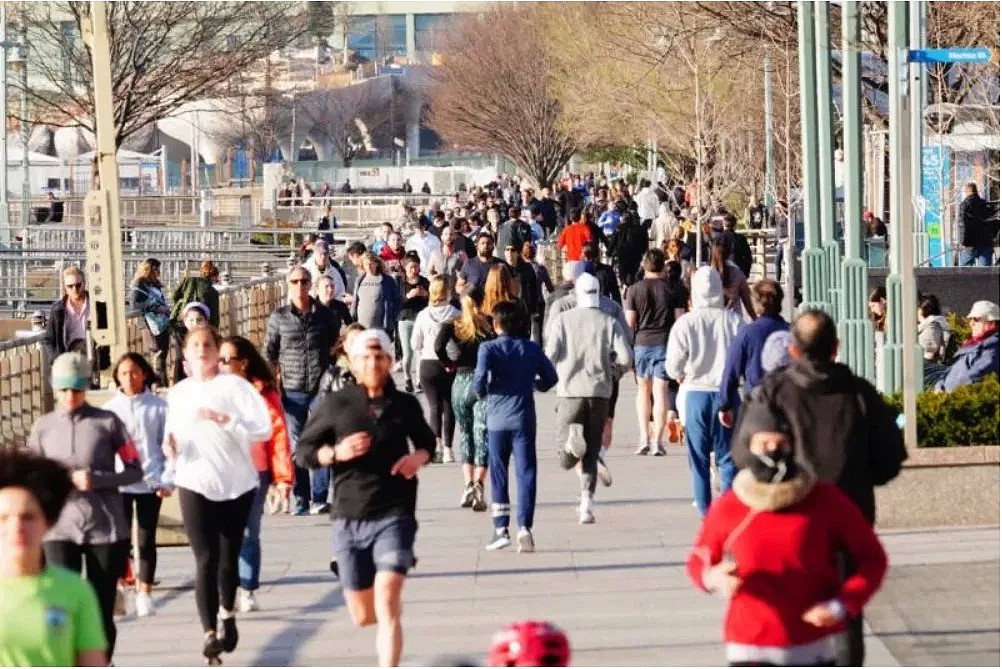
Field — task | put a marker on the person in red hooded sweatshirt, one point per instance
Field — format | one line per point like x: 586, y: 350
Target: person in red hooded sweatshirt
x: 573, y: 238
x: 770, y: 545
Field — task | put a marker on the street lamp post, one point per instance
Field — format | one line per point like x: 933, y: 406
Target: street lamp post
x: 6, y: 235
x: 25, y: 171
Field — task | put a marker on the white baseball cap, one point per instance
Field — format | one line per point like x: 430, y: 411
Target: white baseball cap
x: 984, y: 310
x: 369, y: 339
x: 587, y: 290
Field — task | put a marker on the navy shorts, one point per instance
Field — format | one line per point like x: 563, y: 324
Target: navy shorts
x: 649, y: 362
x: 364, y: 547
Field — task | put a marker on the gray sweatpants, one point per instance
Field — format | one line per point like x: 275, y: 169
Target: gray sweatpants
x: 591, y: 413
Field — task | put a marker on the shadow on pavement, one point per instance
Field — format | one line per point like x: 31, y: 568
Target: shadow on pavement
x: 298, y: 630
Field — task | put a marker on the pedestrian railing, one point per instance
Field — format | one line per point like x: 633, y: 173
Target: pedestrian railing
x: 25, y: 394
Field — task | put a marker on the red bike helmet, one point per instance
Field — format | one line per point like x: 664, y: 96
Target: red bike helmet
x: 530, y: 643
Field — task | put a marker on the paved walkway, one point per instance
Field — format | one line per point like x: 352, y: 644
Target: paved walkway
x: 617, y: 587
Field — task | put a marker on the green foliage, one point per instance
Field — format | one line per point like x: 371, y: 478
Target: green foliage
x: 967, y: 416
x: 960, y: 332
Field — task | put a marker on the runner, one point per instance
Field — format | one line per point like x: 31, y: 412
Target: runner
x: 362, y: 432
x: 589, y: 349
x: 466, y: 333
x: 144, y: 415
x: 91, y: 533
x: 212, y: 421
x: 508, y: 368
x: 651, y: 309
x: 49, y: 616
x: 435, y: 376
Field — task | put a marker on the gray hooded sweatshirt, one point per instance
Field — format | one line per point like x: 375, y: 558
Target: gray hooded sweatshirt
x: 589, y: 349
x: 427, y: 325
x: 698, y: 342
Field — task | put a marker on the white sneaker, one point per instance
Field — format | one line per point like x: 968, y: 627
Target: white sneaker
x: 576, y: 444
x: 248, y: 601
x: 501, y: 540
x: 144, y: 605
x: 585, y: 514
x: 526, y: 544
x: 447, y: 455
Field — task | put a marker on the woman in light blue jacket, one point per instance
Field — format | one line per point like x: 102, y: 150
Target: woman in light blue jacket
x: 145, y: 416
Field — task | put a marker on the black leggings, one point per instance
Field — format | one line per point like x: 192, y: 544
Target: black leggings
x: 105, y: 563
x: 216, y: 532
x: 437, y: 386
x: 147, y: 506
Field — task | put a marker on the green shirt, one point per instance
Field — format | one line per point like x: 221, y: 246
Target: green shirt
x: 45, y: 620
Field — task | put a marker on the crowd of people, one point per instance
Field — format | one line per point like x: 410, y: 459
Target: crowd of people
x: 456, y: 300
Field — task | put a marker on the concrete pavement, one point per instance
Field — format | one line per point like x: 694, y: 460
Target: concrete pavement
x: 617, y: 588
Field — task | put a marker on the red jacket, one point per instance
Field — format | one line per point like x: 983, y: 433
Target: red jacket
x: 574, y: 237
x: 786, y: 560
x: 275, y: 454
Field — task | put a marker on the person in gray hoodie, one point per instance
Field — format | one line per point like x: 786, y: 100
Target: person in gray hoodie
x: 590, y: 350
x: 91, y: 529
x: 436, y: 378
x: 695, y: 357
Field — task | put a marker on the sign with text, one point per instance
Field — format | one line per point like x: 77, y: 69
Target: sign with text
x: 935, y: 182
x: 957, y: 55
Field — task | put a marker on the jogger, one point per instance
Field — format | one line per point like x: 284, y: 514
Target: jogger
x: 501, y: 445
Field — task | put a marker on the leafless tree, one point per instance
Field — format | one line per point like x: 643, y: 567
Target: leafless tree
x: 164, y: 54
x: 492, y: 92
x: 349, y: 118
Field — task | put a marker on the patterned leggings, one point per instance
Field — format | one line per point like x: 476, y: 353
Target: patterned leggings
x: 472, y: 420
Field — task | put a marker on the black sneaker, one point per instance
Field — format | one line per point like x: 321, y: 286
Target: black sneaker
x: 334, y: 570
x: 229, y: 638
x: 211, y: 649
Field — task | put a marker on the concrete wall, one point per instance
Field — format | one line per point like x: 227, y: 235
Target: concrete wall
x: 941, y: 487
x: 956, y: 287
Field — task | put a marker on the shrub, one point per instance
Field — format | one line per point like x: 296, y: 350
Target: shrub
x: 967, y: 416
x: 960, y: 332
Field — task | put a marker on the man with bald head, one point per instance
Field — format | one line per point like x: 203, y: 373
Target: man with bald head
x: 842, y: 426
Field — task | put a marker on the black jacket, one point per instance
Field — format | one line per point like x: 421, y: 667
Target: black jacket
x: 364, y: 489
x: 301, y: 344
x: 55, y: 336
x: 526, y: 276
x: 839, y: 423
x: 979, y: 230
x: 607, y: 283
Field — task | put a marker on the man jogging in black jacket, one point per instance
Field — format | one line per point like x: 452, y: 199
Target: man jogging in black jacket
x: 847, y: 432
x: 363, y: 433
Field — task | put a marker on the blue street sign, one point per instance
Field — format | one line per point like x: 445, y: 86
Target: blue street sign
x: 959, y: 55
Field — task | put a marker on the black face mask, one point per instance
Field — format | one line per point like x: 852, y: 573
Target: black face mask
x: 774, y: 467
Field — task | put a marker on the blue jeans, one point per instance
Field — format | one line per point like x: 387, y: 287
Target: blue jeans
x: 249, y: 564
x: 703, y: 434
x: 977, y: 256
x: 501, y: 444
x: 297, y: 408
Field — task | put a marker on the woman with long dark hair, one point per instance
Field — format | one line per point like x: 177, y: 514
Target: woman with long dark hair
x: 213, y: 420
x: 145, y: 417
x: 272, y: 457
x: 736, y: 291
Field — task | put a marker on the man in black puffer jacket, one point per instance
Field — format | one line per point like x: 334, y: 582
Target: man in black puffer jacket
x: 298, y: 343
x: 846, y: 431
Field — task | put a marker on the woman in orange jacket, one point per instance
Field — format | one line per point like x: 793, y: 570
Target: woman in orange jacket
x: 273, y: 458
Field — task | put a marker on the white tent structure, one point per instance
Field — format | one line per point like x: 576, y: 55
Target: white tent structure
x: 138, y: 173
x: 44, y: 172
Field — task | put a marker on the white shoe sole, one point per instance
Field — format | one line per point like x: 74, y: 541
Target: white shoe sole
x: 575, y: 444
x: 498, y: 546
x: 604, y: 475
x: 586, y: 519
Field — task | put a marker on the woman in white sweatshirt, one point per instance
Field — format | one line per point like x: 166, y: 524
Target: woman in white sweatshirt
x: 436, y: 378
x: 212, y: 421
x: 695, y: 357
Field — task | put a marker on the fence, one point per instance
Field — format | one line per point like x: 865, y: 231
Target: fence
x: 24, y: 369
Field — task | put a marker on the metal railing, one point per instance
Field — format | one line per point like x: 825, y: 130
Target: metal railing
x: 25, y: 395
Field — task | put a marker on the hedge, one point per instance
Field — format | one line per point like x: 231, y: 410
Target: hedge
x: 967, y: 416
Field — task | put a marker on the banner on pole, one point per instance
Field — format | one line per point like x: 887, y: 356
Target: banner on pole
x: 935, y: 182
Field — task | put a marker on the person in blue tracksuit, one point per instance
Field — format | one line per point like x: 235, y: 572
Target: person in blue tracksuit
x: 508, y: 368
x: 744, y: 355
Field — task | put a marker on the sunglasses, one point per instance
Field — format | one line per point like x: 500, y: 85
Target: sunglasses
x: 230, y: 359
x: 74, y: 286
